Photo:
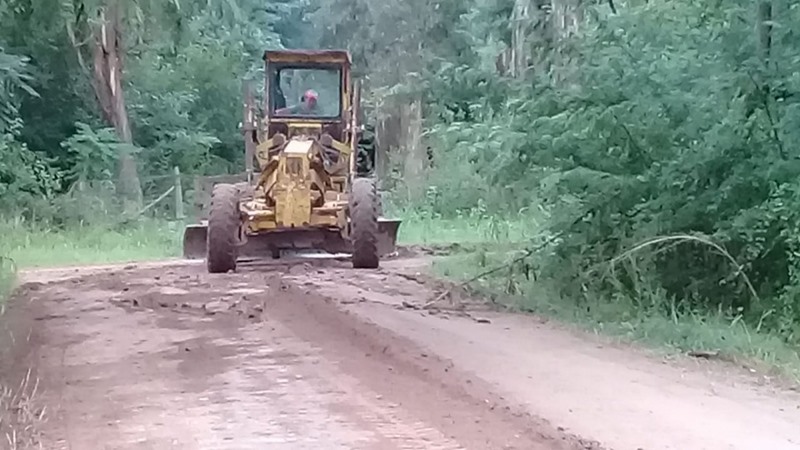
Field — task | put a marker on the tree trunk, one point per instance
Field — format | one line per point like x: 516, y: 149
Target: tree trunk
x: 387, y: 134
x: 107, y: 83
x: 764, y: 29
x: 519, y: 57
x: 567, y: 16
x: 533, y: 37
x: 415, y: 154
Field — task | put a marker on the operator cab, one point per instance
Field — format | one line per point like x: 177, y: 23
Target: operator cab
x: 309, y: 96
x: 308, y: 86
x: 315, y: 92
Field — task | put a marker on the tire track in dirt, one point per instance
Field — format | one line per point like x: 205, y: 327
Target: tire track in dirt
x: 171, y: 357
x: 440, y: 392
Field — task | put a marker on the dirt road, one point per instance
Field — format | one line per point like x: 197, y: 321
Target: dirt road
x: 316, y: 355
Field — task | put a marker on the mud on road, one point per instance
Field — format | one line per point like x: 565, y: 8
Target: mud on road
x: 313, y: 354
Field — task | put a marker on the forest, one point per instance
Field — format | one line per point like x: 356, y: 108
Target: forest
x: 631, y: 165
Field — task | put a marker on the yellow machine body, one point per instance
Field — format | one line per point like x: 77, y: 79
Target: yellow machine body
x: 296, y: 194
x: 284, y: 196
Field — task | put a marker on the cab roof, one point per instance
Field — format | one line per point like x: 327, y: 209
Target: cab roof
x: 308, y: 56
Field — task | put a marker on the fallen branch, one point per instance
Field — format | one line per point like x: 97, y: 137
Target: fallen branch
x: 477, y: 277
x: 704, y: 354
x: 527, y: 254
x: 712, y: 355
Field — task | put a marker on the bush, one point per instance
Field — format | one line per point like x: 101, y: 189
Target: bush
x: 674, y: 125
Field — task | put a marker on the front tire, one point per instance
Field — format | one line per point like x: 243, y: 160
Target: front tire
x: 223, y: 229
x: 363, y: 206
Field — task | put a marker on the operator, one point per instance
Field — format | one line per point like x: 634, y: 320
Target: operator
x: 306, y: 107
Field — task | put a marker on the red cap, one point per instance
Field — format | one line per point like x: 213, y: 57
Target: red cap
x: 311, y: 95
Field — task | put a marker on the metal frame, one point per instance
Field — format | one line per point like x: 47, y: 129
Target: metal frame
x: 273, y: 69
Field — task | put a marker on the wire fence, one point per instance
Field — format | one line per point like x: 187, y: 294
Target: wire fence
x: 174, y: 196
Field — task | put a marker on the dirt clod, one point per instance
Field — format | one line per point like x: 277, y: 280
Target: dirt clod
x: 216, y: 306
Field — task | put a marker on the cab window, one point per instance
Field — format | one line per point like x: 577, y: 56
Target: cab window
x: 306, y: 92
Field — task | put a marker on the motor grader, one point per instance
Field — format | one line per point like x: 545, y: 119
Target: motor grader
x: 312, y: 186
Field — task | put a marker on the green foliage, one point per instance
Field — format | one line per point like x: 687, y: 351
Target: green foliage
x: 183, y: 69
x: 94, y: 153
x: 673, y: 122
x: 8, y: 272
x: 26, y: 179
x: 183, y: 66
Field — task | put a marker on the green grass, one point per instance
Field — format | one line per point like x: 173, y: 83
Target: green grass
x: 40, y: 246
x: 7, y: 277
x: 427, y: 229
x: 31, y: 245
x: 651, y: 320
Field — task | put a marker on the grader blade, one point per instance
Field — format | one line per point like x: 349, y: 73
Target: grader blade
x: 259, y: 246
x: 387, y: 235
x: 194, y: 241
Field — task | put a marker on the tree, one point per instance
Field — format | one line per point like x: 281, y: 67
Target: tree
x: 101, y: 22
x: 108, y: 54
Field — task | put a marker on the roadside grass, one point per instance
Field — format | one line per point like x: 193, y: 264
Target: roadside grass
x: 20, y: 413
x: 428, y: 229
x: 36, y: 246
x: 7, y: 277
x: 652, y: 319
x: 33, y: 245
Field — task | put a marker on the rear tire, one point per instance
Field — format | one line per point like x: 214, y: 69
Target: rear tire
x: 223, y: 229
x: 365, y: 162
x: 363, y: 206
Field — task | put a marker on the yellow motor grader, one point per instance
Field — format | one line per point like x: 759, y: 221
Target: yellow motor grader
x: 313, y: 185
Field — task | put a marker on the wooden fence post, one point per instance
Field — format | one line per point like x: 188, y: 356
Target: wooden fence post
x: 179, y: 215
